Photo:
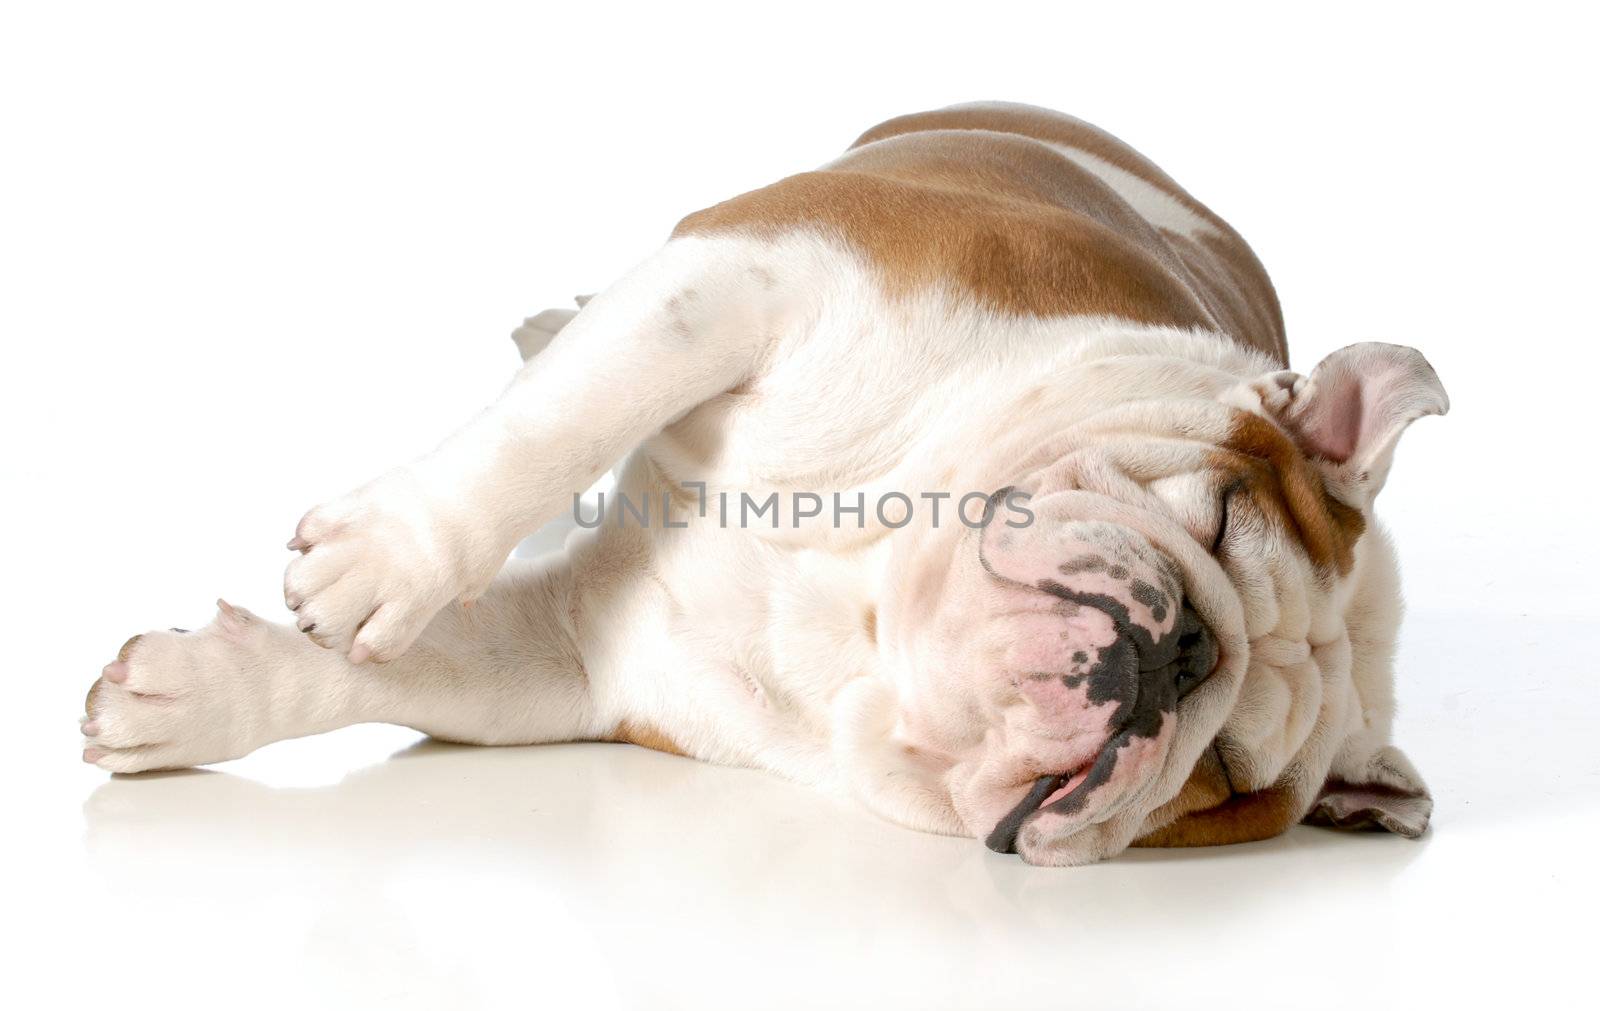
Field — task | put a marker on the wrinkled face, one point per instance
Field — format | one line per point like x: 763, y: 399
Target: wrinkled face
x: 1179, y: 592
x: 1099, y: 645
x: 1162, y: 647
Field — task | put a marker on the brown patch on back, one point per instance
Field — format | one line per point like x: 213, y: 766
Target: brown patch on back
x: 869, y: 621
x: 1287, y: 488
x: 968, y: 198
x: 645, y: 736
x: 1237, y: 290
x: 1040, y: 124
x: 945, y: 214
x: 1222, y: 269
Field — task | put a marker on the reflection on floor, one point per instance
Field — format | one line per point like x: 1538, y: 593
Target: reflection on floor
x: 608, y: 876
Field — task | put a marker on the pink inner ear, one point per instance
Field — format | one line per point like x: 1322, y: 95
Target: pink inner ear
x: 1360, y: 398
x: 1332, y: 424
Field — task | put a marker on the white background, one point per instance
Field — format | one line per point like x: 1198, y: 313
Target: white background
x: 249, y: 258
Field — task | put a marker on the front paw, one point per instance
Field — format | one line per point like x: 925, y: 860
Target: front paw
x: 376, y: 565
x: 176, y: 699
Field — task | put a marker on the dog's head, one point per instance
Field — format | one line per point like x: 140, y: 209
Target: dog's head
x: 1174, y: 638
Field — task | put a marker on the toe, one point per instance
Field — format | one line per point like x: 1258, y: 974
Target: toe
x: 321, y: 523
x: 129, y: 760
x: 308, y: 531
x: 311, y: 573
x: 330, y: 619
x: 386, y: 634
x: 90, y: 700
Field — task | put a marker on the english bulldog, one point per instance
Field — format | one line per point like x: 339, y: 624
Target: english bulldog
x: 964, y: 476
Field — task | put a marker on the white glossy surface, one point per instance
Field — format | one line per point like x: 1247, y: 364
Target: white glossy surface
x: 250, y: 261
x: 369, y: 867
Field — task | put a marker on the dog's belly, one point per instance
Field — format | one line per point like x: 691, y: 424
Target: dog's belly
x: 737, y: 644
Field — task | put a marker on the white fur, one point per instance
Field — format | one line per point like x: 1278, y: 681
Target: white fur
x: 1156, y: 205
x: 752, y: 366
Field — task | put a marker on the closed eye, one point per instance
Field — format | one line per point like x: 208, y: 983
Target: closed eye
x: 1222, y: 509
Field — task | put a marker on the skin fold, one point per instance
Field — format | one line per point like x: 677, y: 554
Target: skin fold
x: 1174, y: 627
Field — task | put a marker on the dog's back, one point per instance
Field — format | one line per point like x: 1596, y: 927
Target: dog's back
x: 1027, y: 211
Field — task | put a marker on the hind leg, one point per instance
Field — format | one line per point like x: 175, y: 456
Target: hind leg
x: 506, y: 671
x: 378, y: 563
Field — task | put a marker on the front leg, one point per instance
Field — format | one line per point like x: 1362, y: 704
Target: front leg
x: 377, y: 564
x: 506, y: 672
x: 175, y: 698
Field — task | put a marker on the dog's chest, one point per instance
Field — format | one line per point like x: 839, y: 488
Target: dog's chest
x: 763, y: 637
x: 870, y: 394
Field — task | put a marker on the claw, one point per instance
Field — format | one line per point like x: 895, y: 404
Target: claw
x: 233, y: 619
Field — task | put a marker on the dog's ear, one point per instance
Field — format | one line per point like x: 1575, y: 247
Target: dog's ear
x: 1386, y: 795
x: 1349, y: 413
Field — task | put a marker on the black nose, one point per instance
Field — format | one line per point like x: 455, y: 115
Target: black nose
x: 1193, y: 656
x: 1147, y: 677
